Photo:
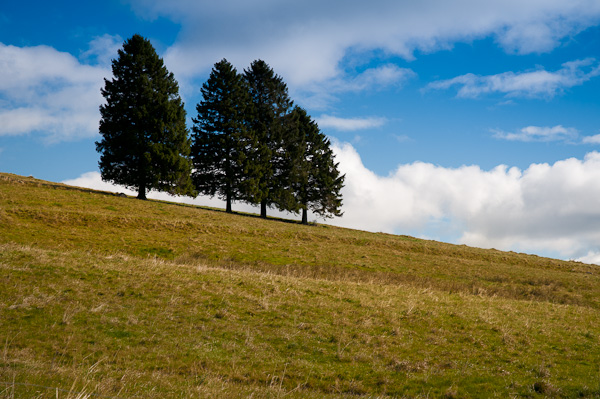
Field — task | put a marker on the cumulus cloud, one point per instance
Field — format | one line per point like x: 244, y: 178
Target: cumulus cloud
x: 538, y: 83
x: 48, y: 91
x: 549, y: 209
x: 306, y: 41
x: 592, y: 257
x: 349, y: 124
x: 94, y: 180
x: 537, y: 133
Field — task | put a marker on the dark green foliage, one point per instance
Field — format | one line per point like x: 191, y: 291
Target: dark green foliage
x: 248, y: 146
x: 221, y: 138
x: 145, y: 142
x: 314, y: 179
x: 271, y: 102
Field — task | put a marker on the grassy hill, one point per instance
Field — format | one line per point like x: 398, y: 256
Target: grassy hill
x: 103, y: 296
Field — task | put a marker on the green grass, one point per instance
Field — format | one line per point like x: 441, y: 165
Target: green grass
x: 103, y: 296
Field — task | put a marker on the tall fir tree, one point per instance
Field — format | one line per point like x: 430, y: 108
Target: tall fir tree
x: 145, y: 143
x: 222, y: 139
x: 314, y: 179
x: 272, y: 104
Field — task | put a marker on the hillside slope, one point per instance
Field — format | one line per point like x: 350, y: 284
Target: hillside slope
x: 116, y: 297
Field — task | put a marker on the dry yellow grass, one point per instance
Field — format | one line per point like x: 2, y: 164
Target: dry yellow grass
x: 102, y: 296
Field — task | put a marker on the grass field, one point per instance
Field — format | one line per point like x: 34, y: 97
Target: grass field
x: 110, y: 297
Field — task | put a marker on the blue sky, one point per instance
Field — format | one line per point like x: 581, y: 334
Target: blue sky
x: 468, y: 122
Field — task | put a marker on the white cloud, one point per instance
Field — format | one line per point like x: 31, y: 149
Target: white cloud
x: 549, y: 209
x: 306, y: 41
x: 94, y: 180
x: 103, y: 49
x: 592, y: 257
x: 537, y: 133
x: 538, y: 83
x: 47, y: 91
x: 349, y: 124
x: 591, y: 139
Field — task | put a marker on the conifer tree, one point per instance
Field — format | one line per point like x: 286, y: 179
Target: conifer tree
x: 221, y: 138
x: 271, y: 102
x: 145, y: 143
x: 315, y: 181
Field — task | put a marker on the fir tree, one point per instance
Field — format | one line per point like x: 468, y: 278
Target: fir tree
x: 221, y: 138
x: 314, y: 179
x: 271, y: 102
x: 145, y: 143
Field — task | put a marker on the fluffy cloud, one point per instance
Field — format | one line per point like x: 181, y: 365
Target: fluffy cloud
x: 306, y: 41
x: 349, y: 124
x: 538, y: 83
x: 545, y: 209
x: 309, y: 43
x: 548, y: 209
x: 537, y: 133
x: 45, y: 90
x: 591, y: 257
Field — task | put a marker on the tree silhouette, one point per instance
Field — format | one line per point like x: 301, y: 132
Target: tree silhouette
x: 145, y: 142
x: 271, y: 102
x: 222, y: 139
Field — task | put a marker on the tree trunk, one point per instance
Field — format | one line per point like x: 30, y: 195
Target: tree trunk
x: 263, y: 209
x: 228, y: 206
x: 304, y: 216
x: 142, y: 192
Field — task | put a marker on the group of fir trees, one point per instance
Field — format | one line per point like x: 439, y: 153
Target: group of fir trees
x: 248, y: 142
